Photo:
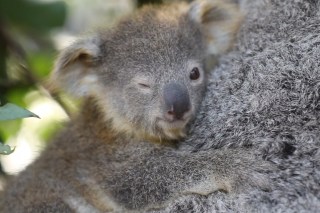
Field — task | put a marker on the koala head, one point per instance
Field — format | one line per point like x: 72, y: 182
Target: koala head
x: 146, y: 74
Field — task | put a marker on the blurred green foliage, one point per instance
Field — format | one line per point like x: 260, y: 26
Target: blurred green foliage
x: 32, y: 15
x: 11, y: 112
x: 26, y: 50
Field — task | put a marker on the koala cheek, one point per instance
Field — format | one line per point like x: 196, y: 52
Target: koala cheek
x: 197, y: 96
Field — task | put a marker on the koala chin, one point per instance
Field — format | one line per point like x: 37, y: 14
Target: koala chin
x: 141, y: 83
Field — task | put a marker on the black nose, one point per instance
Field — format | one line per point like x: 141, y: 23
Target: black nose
x: 176, y: 100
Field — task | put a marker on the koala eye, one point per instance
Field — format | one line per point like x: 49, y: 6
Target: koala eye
x: 195, y: 73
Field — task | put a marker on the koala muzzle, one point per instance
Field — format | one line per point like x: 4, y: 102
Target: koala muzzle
x: 176, y: 101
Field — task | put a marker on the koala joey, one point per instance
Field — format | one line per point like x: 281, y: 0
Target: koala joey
x: 141, y: 83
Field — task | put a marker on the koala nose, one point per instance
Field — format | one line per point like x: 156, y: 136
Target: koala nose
x: 176, y: 100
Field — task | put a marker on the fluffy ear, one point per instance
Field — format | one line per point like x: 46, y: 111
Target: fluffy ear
x: 220, y: 21
x: 74, y: 68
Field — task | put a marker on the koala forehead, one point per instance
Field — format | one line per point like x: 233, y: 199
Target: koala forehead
x: 155, y: 39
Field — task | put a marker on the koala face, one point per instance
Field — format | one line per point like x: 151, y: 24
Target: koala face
x: 147, y: 73
x: 157, y: 105
x: 158, y: 79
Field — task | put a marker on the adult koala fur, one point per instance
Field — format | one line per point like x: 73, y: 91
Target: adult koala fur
x: 266, y: 95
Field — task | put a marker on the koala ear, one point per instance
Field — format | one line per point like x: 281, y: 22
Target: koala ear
x: 74, y: 68
x: 219, y: 19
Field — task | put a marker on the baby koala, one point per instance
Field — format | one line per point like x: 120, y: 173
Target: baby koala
x: 142, y: 83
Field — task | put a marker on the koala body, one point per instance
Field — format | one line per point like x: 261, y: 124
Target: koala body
x: 141, y: 84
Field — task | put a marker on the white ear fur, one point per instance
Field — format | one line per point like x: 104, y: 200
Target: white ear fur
x: 74, y: 68
x: 220, y: 21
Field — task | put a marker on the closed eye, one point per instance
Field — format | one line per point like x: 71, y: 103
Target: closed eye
x: 144, y: 85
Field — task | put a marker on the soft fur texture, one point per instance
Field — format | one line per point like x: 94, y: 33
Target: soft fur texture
x: 118, y: 154
x: 266, y: 95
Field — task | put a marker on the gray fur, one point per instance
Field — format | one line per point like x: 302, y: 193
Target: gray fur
x: 262, y: 102
x: 115, y: 156
x: 265, y: 95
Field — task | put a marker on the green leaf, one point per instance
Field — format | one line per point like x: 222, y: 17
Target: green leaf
x: 34, y: 15
x: 11, y: 111
x: 5, y: 149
